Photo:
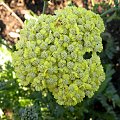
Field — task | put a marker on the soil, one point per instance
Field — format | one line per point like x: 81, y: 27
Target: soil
x: 10, y: 24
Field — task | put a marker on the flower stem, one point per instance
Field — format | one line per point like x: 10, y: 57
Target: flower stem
x: 45, y: 6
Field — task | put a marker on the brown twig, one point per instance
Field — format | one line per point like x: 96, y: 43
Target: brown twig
x: 12, y: 13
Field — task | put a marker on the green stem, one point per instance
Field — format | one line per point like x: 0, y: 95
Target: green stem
x: 109, y: 11
x: 116, y: 2
x: 45, y: 6
x: 6, y: 45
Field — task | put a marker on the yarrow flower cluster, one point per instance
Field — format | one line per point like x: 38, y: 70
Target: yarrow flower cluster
x: 52, y: 54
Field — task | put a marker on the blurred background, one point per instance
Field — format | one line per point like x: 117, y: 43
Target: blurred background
x: 21, y: 103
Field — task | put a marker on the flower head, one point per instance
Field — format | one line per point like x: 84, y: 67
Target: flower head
x: 51, y: 50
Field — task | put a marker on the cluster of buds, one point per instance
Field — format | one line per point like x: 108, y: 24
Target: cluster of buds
x: 59, y: 53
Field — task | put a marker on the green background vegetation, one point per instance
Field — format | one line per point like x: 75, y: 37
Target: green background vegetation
x: 20, y: 103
